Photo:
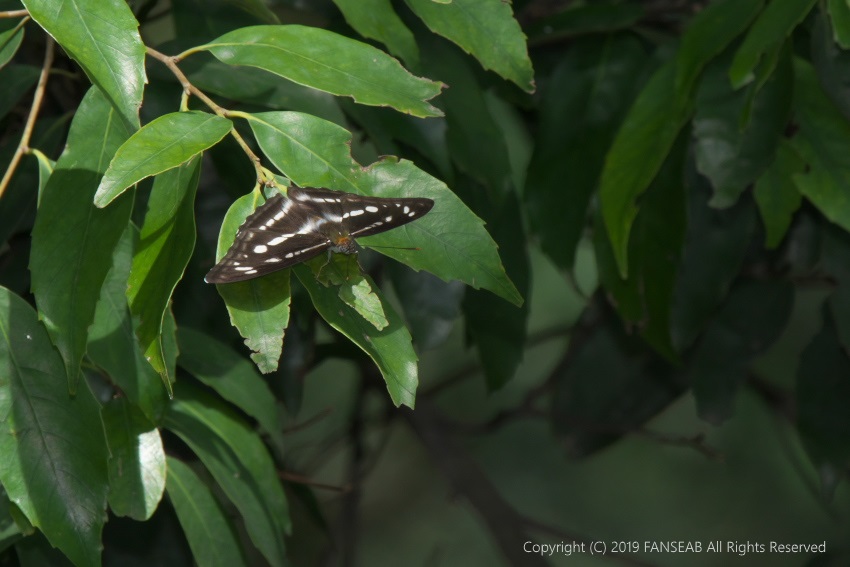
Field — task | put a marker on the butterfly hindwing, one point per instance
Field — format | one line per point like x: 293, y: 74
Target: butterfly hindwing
x: 286, y: 231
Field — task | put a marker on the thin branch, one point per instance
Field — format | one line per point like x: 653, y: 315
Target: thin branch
x: 188, y: 87
x: 23, y: 145
x: 308, y: 422
x: 300, y: 479
x: 14, y: 14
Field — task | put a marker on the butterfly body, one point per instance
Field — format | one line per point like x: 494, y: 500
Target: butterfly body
x: 285, y: 231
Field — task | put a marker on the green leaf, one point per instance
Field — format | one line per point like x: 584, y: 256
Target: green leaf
x: 16, y: 80
x: 166, y: 243
x: 823, y: 394
x: 11, y: 36
x: 475, y: 141
x: 103, y: 37
x: 229, y: 374
x: 430, y: 305
x: 776, y: 194
x: 343, y: 272
x: 208, y: 530
x: 487, y: 30
x: 581, y: 19
x: 255, y: 86
x: 731, y: 150
x: 773, y: 26
x: 137, y: 461
x: 708, y: 34
x: 390, y: 348
x: 832, y: 64
x: 259, y: 308
x: 377, y: 20
x: 497, y: 328
x: 239, y: 463
x: 328, y: 62
x: 839, y: 12
x: 54, y: 452
x: 638, y: 152
x: 112, y: 341
x: 610, y: 380
x: 750, y: 321
x: 645, y: 299
x: 823, y: 142
x: 167, y: 142
x: 716, y: 243
x: 576, y: 128
x: 452, y: 242
x: 73, y: 240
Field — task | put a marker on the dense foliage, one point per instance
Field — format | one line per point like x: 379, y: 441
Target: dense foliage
x: 637, y: 203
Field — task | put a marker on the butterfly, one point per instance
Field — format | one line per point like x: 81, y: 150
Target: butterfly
x: 285, y: 231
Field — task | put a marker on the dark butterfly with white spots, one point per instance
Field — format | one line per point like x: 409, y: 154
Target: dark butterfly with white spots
x: 285, y: 231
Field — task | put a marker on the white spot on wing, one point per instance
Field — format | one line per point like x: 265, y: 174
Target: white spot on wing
x: 357, y: 212
x: 406, y: 209
x: 243, y: 269
x: 372, y: 209
x: 388, y: 219
x: 278, y: 239
x: 272, y: 260
x: 251, y: 272
x: 260, y: 249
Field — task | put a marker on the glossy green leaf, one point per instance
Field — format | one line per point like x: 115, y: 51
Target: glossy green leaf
x: 137, y: 461
x: 239, y: 462
x: 583, y: 104
x: 167, y: 142
x: 112, y: 341
x: 431, y: 306
x: 377, y: 20
x: 329, y: 62
x: 255, y: 86
x: 103, y: 37
x: 498, y: 329
x: 716, y: 243
x: 11, y: 36
x: 773, y: 26
x: 581, y: 19
x: 839, y: 12
x: 708, y: 34
x: 832, y: 64
x: 72, y: 239
x: 474, y: 140
x: 390, y: 348
x: 823, y: 142
x: 54, y: 452
x: 343, y: 272
x: 229, y: 374
x: 207, y: 527
x: 638, y: 152
x: 256, y: 8
x: 777, y: 195
x: 45, y: 170
x: 259, y: 308
x: 750, y: 321
x: 823, y: 393
x: 645, y: 299
x: 610, y: 381
x: 16, y: 80
x: 166, y: 243
x: 731, y: 149
x: 487, y: 30
x: 452, y: 242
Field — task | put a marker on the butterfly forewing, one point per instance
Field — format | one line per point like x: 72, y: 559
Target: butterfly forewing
x: 286, y: 231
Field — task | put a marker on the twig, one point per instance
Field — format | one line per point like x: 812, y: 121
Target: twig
x: 188, y: 87
x: 695, y: 442
x: 308, y: 422
x: 300, y: 479
x: 465, y: 476
x: 23, y: 145
x: 14, y: 14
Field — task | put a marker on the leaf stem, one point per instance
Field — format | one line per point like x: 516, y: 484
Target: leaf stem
x: 189, y: 88
x: 14, y: 14
x: 23, y: 145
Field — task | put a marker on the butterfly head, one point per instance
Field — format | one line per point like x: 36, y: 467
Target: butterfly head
x: 344, y: 244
